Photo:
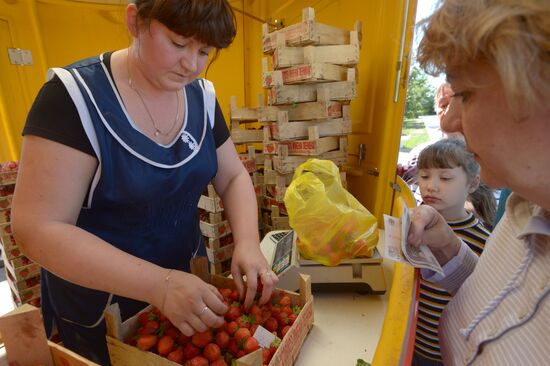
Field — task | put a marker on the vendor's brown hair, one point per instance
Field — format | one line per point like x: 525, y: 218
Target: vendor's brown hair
x: 211, y: 22
x: 513, y: 36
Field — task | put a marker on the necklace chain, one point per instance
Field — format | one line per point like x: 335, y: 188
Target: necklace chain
x: 157, y: 130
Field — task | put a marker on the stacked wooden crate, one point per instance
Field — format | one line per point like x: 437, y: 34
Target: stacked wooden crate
x: 215, y: 231
x: 310, y: 77
x: 22, y: 274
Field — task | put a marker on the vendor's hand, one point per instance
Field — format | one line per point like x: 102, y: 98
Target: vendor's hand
x: 249, y: 260
x: 191, y: 304
x: 430, y: 228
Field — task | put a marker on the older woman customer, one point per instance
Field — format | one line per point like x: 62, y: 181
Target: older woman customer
x: 496, y: 54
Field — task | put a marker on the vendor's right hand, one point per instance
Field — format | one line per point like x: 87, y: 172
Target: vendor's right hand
x: 430, y: 228
x: 191, y: 304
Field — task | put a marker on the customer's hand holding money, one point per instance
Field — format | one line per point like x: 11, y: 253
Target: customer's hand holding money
x: 430, y: 228
x: 399, y: 249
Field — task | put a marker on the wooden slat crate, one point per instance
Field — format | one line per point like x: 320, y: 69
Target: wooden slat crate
x: 309, y: 73
x: 24, y: 296
x: 5, y: 215
x: 8, y: 241
x: 8, y: 172
x: 306, y: 32
x: 266, y: 203
x: 310, y: 147
x: 242, y: 113
x: 242, y: 135
x: 5, y: 228
x: 285, y: 130
x: 123, y: 354
x: 20, y: 268
x: 220, y: 255
x: 289, y: 163
x: 300, y: 93
x: 211, y: 217
x: 5, y: 201
x: 274, y: 221
x: 25, y: 341
x: 345, y: 55
x: 215, y: 231
x: 303, y: 111
x: 7, y: 190
x: 210, y: 204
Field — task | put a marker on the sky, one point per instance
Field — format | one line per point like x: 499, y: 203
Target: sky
x: 424, y: 9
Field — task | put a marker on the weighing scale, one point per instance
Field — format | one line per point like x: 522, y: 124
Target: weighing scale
x: 362, y: 275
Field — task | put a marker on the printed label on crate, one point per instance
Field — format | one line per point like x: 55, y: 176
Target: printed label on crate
x: 264, y: 337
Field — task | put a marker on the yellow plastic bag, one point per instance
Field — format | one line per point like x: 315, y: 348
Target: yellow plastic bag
x: 330, y: 223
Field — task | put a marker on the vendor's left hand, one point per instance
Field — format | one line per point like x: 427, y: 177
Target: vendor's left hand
x: 248, y: 260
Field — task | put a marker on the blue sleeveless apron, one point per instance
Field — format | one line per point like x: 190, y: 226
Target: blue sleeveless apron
x: 142, y: 199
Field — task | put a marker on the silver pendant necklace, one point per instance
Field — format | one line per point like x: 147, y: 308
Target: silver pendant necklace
x: 178, y: 101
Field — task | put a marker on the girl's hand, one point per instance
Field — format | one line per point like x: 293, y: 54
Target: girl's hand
x: 249, y: 260
x: 430, y: 228
x: 191, y: 304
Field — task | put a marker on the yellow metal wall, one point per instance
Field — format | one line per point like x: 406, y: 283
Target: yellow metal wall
x: 59, y: 32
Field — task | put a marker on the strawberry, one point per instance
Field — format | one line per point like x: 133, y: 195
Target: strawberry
x: 219, y: 362
x: 285, y: 301
x: 234, y: 295
x: 241, y: 334
x: 151, y: 327
x: 250, y: 345
x: 243, y: 321
x: 271, y: 324
x: 165, y: 345
x: 212, y: 352
x: 222, y: 339
x: 282, y: 319
x: 266, y: 355
x: 172, y: 331
x: 226, y: 292
x: 234, y: 312
x: 190, y: 351
x: 146, y: 342
x: 202, y: 339
x: 198, y: 361
x: 292, y: 318
x: 284, y: 331
x: 231, y: 327
x: 176, y: 356
x: 253, y: 328
x: 232, y: 346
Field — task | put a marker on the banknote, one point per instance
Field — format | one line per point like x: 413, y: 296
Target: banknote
x: 397, y: 248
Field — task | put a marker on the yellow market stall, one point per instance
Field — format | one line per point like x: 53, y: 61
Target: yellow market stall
x: 39, y: 34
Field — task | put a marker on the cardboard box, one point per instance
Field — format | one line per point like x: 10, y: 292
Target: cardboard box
x: 25, y: 340
x: 123, y: 354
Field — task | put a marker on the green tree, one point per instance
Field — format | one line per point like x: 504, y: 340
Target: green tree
x: 420, y: 95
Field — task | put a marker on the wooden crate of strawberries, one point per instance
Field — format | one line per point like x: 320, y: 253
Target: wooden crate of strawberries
x: 149, y: 338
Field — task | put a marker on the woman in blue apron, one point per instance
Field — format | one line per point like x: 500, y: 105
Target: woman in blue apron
x: 117, y: 150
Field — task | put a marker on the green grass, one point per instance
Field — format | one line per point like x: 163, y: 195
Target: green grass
x: 417, y: 132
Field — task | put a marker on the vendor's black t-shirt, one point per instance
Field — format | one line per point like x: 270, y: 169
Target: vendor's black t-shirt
x: 53, y: 116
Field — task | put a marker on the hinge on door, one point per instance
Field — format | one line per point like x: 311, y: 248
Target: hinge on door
x: 19, y: 56
x: 395, y: 187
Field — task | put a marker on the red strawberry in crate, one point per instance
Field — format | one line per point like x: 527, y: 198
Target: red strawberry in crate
x: 165, y: 345
x: 201, y: 339
x: 176, y: 356
x: 146, y: 342
x: 250, y: 345
x: 198, y: 361
x: 219, y: 362
x: 190, y: 351
x: 212, y: 352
